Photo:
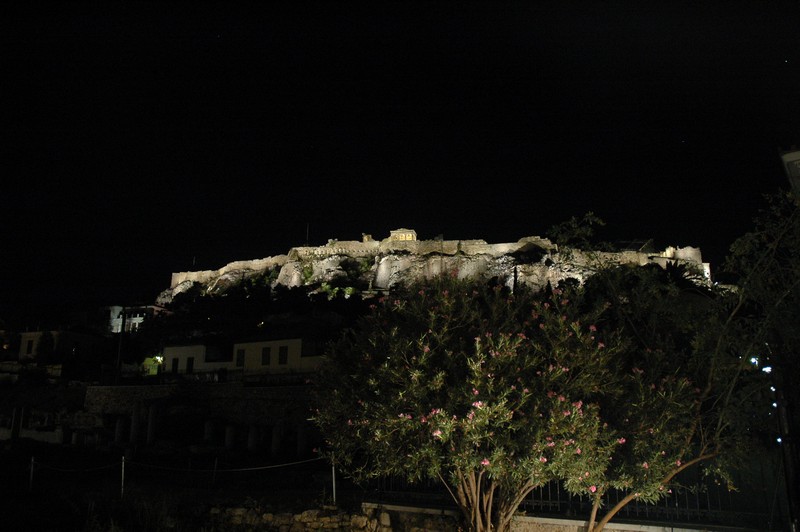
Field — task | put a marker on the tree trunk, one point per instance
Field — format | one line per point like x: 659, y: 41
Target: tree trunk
x: 628, y: 498
x: 481, y: 511
x: 484, y: 506
x: 595, y: 506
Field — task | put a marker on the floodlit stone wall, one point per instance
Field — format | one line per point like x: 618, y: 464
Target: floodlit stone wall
x: 205, y: 276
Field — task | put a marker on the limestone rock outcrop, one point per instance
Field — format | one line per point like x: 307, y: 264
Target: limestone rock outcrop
x: 370, y: 265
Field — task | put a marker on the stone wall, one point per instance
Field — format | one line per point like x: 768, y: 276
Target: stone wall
x: 121, y: 399
x: 205, y: 276
x: 232, y: 400
x: 370, y: 519
x: 389, y: 518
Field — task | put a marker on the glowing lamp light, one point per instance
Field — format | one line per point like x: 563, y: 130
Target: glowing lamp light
x: 767, y: 369
x: 754, y: 361
x: 779, y: 440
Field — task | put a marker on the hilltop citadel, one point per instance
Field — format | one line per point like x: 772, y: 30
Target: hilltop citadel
x: 401, y: 257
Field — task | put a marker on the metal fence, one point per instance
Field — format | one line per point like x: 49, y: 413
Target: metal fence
x: 759, y: 502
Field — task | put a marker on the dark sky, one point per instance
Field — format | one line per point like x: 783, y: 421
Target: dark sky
x: 147, y: 138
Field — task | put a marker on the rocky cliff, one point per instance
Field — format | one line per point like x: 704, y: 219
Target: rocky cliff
x: 379, y: 265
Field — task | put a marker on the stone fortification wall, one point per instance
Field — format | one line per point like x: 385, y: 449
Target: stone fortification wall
x: 351, y: 248
x: 205, y: 276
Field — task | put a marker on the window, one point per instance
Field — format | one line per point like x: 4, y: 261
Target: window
x: 29, y: 347
x: 266, y: 352
x: 283, y: 354
x: 240, y: 358
x: 189, y: 364
x: 175, y: 362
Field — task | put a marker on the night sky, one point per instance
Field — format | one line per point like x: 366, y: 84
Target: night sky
x: 148, y: 138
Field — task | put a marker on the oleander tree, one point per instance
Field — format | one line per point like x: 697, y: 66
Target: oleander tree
x: 622, y: 384
x: 493, y: 393
x: 690, y: 392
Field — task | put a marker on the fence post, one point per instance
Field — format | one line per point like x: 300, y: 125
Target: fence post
x: 30, y: 480
x: 333, y: 477
x: 122, y: 480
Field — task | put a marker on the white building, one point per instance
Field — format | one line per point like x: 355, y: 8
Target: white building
x: 132, y: 316
x: 244, y: 359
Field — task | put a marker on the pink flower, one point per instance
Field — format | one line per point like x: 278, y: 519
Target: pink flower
x: 592, y: 328
x: 437, y: 433
x: 600, y: 345
x: 475, y: 392
x: 578, y: 450
x: 678, y: 463
x: 646, y: 465
x: 478, y: 404
x: 561, y: 398
x: 426, y: 349
x: 621, y: 441
x: 592, y: 488
x: 485, y: 462
x: 542, y: 459
x: 566, y: 413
